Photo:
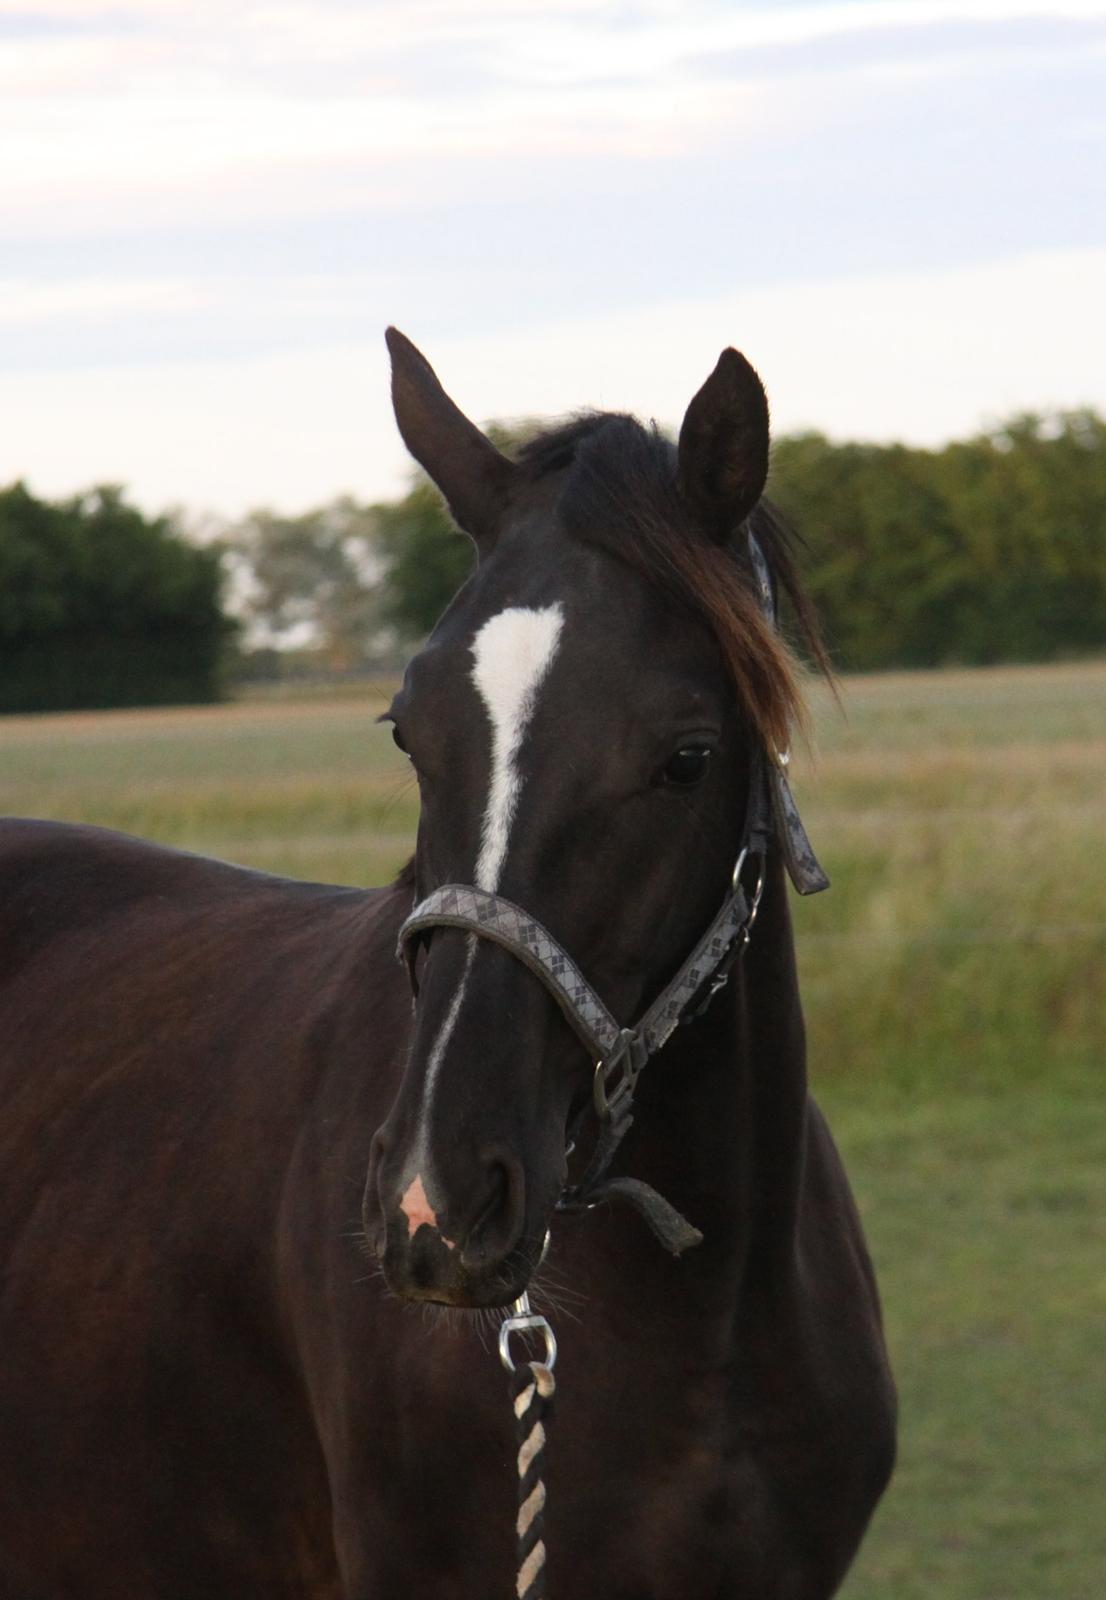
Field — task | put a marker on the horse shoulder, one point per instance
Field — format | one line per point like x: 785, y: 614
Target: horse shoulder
x: 834, y: 1350
x: 811, y: 1440
x: 173, y: 1030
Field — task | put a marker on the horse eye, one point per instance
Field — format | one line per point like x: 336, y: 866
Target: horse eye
x: 688, y: 766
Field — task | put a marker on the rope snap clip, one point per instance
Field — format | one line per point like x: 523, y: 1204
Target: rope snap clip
x: 521, y: 1321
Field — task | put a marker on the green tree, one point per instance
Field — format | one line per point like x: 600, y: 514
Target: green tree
x: 992, y: 549
x: 424, y: 559
x: 882, y: 559
x: 312, y: 579
x: 102, y: 606
x: 1030, y: 503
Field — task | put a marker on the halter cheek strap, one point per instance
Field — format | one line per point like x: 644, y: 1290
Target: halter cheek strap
x: 774, y: 817
x: 620, y: 1053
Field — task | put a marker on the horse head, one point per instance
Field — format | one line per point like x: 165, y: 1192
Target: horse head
x: 582, y: 724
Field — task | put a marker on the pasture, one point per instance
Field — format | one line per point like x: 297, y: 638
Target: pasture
x: 953, y: 981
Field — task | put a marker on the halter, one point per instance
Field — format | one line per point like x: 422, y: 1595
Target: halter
x: 620, y: 1053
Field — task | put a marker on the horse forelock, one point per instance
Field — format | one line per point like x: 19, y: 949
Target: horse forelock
x: 620, y: 493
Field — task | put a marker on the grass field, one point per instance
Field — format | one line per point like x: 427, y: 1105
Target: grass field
x: 954, y: 988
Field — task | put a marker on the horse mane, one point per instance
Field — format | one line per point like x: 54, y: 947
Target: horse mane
x: 621, y: 494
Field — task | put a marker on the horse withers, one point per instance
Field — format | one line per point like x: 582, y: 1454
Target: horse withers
x: 219, y: 1100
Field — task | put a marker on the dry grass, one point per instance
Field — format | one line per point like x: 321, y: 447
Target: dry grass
x: 961, y: 816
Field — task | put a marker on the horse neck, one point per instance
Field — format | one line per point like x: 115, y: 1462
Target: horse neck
x: 721, y: 1119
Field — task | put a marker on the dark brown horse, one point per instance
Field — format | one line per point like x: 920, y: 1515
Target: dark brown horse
x: 218, y: 1099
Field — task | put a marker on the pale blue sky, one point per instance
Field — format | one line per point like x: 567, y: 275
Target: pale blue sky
x: 209, y: 212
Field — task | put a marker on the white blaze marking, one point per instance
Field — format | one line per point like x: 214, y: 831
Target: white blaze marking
x: 511, y: 656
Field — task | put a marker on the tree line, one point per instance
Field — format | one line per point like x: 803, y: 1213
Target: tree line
x: 103, y: 606
x: 990, y: 549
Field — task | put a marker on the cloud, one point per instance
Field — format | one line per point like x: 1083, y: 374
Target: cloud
x: 919, y: 356
x: 208, y: 213
x: 180, y: 111
x: 26, y: 304
x: 911, y: 355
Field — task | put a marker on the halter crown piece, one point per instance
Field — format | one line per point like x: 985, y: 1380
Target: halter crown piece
x: 620, y: 1053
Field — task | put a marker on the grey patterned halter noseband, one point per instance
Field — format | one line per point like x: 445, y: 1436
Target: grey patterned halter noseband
x: 620, y: 1053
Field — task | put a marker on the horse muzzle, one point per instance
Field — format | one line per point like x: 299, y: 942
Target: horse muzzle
x: 473, y: 1250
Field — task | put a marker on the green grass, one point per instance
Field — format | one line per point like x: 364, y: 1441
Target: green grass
x: 985, y: 1214
x: 961, y: 817
x: 953, y: 982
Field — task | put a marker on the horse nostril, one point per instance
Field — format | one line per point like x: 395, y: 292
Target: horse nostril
x: 499, y: 1221
x: 499, y: 1191
x: 373, y: 1214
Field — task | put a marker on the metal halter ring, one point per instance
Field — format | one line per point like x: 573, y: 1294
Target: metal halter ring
x: 523, y: 1320
x: 754, y: 903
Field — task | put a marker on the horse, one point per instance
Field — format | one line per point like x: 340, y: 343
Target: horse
x: 262, y: 1182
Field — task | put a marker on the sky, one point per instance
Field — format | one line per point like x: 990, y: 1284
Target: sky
x: 209, y: 212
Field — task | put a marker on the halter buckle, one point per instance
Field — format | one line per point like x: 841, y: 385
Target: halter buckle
x: 616, y: 1075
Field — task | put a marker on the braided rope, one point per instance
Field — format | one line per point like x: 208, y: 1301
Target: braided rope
x: 532, y: 1387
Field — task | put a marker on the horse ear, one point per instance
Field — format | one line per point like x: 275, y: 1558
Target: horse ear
x: 465, y: 465
x: 723, y: 452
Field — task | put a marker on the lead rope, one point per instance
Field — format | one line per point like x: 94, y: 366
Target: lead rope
x: 532, y: 1390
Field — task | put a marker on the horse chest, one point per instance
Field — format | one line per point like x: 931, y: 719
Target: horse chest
x: 728, y: 1481
x: 696, y: 1525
